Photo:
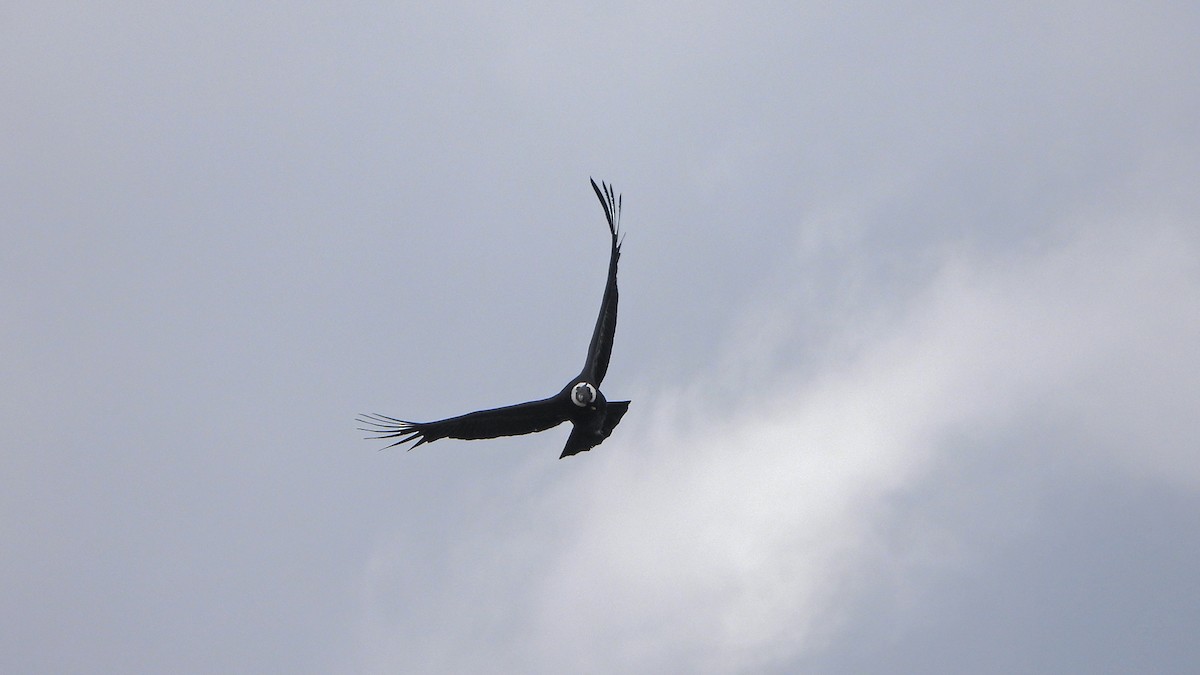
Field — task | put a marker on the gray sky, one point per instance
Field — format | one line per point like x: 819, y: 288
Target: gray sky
x: 910, y: 306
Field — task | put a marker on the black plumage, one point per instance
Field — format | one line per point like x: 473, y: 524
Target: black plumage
x: 579, y: 402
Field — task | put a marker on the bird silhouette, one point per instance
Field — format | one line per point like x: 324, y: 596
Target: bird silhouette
x: 580, y: 402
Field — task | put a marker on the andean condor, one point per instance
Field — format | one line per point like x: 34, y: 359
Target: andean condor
x: 579, y: 402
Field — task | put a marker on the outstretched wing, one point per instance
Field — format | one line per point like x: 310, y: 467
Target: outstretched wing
x: 600, y: 348
x: 583, y: 438
x: 513, y: 420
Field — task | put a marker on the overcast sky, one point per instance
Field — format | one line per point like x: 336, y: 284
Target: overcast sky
x: 910, y: 307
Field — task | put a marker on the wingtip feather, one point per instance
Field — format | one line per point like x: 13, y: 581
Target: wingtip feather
x: 610, y: 201
x: 388, y: 428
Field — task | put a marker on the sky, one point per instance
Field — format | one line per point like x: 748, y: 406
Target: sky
x: 910, y: 300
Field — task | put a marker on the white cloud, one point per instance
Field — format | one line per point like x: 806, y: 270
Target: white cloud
x: 714, y: 537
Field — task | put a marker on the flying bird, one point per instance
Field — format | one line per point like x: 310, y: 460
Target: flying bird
x: 580, y: 402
